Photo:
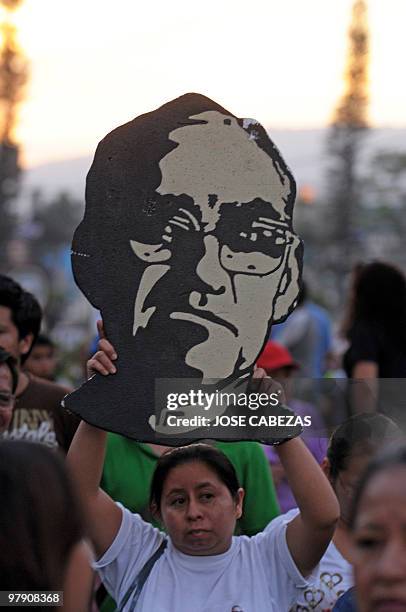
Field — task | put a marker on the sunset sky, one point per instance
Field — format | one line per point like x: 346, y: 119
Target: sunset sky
x: 96, y: 63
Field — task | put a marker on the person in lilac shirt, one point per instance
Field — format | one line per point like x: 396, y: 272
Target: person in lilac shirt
x: 280, y: 365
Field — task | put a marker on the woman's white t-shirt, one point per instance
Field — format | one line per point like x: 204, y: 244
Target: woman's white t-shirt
x: 334, y: 576
x: 256, y: 574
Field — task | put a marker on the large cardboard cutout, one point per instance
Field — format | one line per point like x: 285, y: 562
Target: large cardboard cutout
x: 188, y: 250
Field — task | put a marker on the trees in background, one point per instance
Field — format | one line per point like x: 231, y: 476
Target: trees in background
x: 345, y: 137
x: 13, y: 78
x: 54, y: 222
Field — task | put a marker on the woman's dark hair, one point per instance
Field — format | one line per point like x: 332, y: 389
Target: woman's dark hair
x: 203, y: 453
x: 362, y: 433
x: 40, y: 520
x: 379, y: 295
x: 390, y: 459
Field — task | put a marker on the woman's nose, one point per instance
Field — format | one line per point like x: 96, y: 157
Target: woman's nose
x: 194, y: 510
x: 391, y: 565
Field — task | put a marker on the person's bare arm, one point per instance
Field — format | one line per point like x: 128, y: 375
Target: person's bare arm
x: 308, y: 534
x: 85, y: 461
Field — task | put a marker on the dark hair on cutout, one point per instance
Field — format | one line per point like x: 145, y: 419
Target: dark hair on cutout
x: 362, y: 432
x: 26, y: 312
x: 39, y: 517
x: 390, y: 459
x: 10, y: 362
x: 203, y: 453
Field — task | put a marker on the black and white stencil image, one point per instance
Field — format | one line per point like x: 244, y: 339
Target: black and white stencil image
x: 187, y: 248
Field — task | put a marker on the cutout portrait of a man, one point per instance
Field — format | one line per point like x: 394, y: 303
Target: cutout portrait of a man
x: 187, y: 248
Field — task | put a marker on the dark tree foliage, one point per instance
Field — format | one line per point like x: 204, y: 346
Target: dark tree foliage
x: 55, y: 221
x: 13, y: 78
x: 345, y: 138
x: 9, y: 174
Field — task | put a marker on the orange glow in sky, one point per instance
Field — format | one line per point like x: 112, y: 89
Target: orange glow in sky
x: 96, y: 64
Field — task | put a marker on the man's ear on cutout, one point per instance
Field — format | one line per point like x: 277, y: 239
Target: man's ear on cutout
x: 25, y: 344
x: 289, y: 285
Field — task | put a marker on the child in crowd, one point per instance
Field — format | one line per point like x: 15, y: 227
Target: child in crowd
x: 42, y: 359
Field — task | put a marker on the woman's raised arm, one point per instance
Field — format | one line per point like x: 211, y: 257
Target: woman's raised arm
x: 85, y: 462
x: 309, y: 533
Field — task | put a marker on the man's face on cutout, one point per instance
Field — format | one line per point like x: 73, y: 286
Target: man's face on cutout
x: 226, y: 249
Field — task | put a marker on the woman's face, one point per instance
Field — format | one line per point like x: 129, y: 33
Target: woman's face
x: 198, y: 510
x: 379, y: 537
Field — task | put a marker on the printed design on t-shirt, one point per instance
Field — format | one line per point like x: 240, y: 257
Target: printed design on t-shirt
x: 331, y: 580
x: 313, y: 597
x: 34, y: 425
x: 324, y: 598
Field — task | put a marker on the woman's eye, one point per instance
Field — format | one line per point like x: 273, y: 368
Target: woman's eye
x: 207, y: 496
x: 178, y: 501
x: 367, y: 543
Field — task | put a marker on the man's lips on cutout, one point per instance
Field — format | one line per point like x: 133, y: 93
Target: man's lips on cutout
x: 204, y: 317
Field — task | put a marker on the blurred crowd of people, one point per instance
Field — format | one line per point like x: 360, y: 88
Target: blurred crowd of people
x: 312, y: 525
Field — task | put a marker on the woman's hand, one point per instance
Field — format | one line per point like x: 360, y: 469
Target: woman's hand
x: 102, y: 361
x: 262, y: 383
x: 278, y: 434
